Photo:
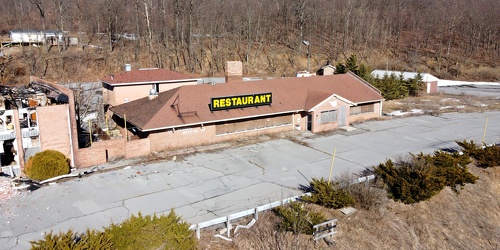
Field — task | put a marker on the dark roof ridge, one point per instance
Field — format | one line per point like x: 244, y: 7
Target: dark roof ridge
x: 364, y: 82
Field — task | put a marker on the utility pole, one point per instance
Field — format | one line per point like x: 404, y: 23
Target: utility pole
x: 308, y: 55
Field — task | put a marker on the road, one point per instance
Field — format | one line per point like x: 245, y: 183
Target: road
x: 209, y: 185
x: 492, y: 90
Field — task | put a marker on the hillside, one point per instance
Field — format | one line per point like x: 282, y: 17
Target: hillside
x: 467, y: 220
x: 198, y: 37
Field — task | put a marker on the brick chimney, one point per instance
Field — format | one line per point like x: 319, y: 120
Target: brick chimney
x: 234, y: 71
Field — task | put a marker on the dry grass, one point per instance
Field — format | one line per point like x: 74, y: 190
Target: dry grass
x: 443, y: 103
x: 468, y: 220
x: 262, y: 236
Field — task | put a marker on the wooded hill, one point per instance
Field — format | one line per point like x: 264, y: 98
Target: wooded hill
x: 447, y: 38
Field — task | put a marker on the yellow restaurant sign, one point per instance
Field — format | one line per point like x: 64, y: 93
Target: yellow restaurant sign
x: 231, y: 102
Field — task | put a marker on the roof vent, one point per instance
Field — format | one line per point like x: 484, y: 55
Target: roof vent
x: 128, y: 67
x: 152, y: 94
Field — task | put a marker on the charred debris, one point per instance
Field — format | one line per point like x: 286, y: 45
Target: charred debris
x: 30, y: 96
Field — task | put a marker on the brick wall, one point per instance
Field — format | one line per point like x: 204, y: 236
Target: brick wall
x: 205, y: 135
x: 118, y: 95
x: 366, y: 116
x: 54, y: 129
x: 332, y: 103
x: 181, y: 138
x: 137, y: 148
x: 96, y: 154
x: 103, y: 151
x: 67, y: 136
x: 234, y: 71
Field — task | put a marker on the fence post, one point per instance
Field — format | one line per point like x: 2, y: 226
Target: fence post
x: 256, y: 214
x: 228, y: 225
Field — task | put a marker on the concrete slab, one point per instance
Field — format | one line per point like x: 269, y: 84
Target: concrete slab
x: 347, y: 128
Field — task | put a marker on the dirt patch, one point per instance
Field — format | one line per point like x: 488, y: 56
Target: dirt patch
x: 443, y: 103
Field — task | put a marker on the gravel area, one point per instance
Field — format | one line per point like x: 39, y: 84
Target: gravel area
x: 7, y: 190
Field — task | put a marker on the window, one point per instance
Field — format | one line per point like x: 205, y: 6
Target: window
x: 328, y: 116
x: 253, y: 124
x: 362, y: 109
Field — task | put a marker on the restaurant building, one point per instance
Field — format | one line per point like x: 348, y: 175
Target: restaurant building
x: 192, y: 115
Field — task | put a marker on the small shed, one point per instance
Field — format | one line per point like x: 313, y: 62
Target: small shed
x: 326, y: 70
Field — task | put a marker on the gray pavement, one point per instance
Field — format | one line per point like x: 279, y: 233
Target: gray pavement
x: 209, y: 185
x: 473, y: 89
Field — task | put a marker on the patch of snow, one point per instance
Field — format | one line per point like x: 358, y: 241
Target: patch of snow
x: 401, y: 113
x: 397, y: 113
x: 450, y: 99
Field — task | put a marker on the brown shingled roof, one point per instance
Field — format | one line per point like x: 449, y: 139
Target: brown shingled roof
x: 145, y: 76
x: 189, y: 105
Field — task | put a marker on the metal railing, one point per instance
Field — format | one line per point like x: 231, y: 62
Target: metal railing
x: 255, y: 211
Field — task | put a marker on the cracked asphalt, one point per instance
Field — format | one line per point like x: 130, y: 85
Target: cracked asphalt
x: 208, y: 185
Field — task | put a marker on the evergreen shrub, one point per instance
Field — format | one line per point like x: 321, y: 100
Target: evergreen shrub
x: 422, y: 176
x: 296, y: 219
x: 47, y: 164
x: 329, y: 195
x: 137, y: 232
x: 152, y: 232
x: 89, y: 240
x: 486, y: 156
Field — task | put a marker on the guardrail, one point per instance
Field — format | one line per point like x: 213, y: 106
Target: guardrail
x: 255, y: 211
x: 325, y: 229
x: 252, y: 211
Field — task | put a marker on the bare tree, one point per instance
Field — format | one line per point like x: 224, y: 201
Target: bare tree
x: 39, y: 5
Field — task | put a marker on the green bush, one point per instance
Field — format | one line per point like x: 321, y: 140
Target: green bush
x: 90, y: 240
x: 152, y: 232
x: 328, y: 194
x: 47, y: 164
x: 451, y: 168
x: 408, y: 184
x: 423, y: 176
x: 486, y: 157
x: 298, y: 220
x: 137, y: 232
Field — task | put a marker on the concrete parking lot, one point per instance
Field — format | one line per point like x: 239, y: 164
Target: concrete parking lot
x: 209, y: 185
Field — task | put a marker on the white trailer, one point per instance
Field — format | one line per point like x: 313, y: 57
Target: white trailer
x: 36, y: 37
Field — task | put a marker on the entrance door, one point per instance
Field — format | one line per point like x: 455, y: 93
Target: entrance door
x: 309, y: 122
x: 342, y: 116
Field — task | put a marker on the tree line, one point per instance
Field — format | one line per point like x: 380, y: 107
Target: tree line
x: 198, y: 36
